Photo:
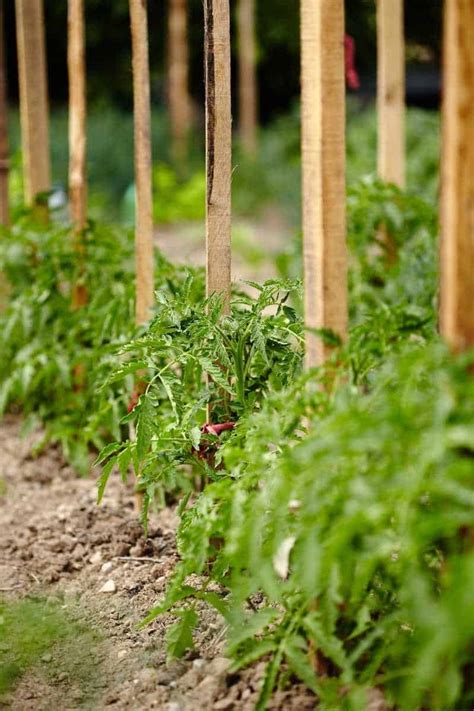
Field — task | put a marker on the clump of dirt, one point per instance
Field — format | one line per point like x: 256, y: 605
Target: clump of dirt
x: 94, y: 563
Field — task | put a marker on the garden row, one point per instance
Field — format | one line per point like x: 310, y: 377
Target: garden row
x: 327, y: 510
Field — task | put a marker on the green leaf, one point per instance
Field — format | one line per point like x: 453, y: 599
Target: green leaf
x: 104, y: 477
x: 195, y: 435
x: 252, y: 625
x: 106, y: 452
x: 179, y: 637
x: 216, y: 374
x: 145, y: 426
x: 296, y: 653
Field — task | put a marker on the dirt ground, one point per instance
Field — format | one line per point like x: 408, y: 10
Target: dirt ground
x: 57, y: 544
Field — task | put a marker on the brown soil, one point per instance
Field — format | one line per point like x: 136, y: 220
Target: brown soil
x: 55, y: 542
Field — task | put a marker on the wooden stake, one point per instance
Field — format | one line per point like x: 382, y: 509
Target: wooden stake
x: 4, y: 211
x: 218, y: 147
x: 248, y: 101
x: 457, y: 196
x: 178, y: 77
x: 143, y: 177
x: 323, y: 168
x: 33, y: 97
x: 391, y: 91
x: 77, y: 113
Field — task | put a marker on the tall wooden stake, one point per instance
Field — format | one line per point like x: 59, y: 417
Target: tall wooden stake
x: 33, y: 97
x: 391, y: 91
x: 4, y: 211
x: 143, y: 178
x: 248, y: 101
x: 323, y: 168
x: 178, y: 77
x: 218, y: 147
x: 77, y: 113
x: 457, y: 201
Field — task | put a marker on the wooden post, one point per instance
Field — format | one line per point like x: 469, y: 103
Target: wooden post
x: 143, y: 177
x: 248, y: 101
x: 4, y: 211
x: 391, y: 91
x: 218, y: 147
x: 178, y: 77
x: 33, y: 97
x: 323, y: 168
x: 457, y: 195
x: 77, y: 113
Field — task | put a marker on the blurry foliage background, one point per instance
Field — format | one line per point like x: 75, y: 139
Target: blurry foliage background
x: 108, y: 47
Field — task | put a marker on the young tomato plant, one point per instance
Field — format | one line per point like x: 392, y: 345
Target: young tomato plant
x: 202, y: 372
x: 45, y: 343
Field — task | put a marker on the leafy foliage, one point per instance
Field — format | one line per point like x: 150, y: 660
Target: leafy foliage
x: 54, y: 356
x: 335, y: 525
x: 193, y: 354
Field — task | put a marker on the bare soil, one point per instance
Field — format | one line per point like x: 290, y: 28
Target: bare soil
x: 57, y: 544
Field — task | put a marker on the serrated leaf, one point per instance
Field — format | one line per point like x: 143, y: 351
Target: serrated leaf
x: 299, y: 661
x: 195, y: 435
x: 106, y: 452
x: 216, y: 374
x: 145, y: 426
x: 179, y: 637
x: 104, y: 477
x: 257, y: 650
x: 123, y: 461
x: 252, y: 625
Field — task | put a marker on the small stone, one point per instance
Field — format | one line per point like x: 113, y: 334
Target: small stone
x: 108, y: 587
x: 122, y: 654
x: 47, y: 658
x: 198, y: 663
x: 96, y: 557
x: 107, y: 567
x: 173, y: 706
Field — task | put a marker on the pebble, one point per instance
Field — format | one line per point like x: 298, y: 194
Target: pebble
x: 47, y: 658
x: 198, y: 663
x: 107, y: 567
x: 122, y: 654
x: 96, y: 557
x: 108, y: 587
x: 173, y: 706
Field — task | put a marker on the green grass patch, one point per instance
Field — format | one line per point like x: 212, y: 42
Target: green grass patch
x: 38, y: 634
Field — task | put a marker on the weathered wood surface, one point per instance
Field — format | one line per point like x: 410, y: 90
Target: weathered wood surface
x: 143, y: 171
x: 323, y: 168
x: 33, y: 97
x: 218, y: 147
x: 457, y: 202
x: 391, y: 91
x: 77, y: 113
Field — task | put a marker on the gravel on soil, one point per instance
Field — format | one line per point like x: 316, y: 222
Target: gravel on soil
x: 57, y: 543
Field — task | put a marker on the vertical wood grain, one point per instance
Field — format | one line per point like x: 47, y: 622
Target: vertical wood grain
x: 33, y: 97
x: 143, y: 173
x: 77, y: 113
x: 457, y: 193
x: 323, y: 172
x: 391, y: 91
x: 218, y: 147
